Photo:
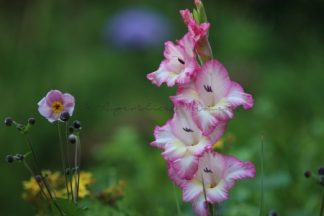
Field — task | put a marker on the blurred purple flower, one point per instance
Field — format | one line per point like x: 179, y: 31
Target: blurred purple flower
x: 137, y: 28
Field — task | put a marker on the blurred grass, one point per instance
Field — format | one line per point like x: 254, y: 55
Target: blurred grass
x: 274, y: 49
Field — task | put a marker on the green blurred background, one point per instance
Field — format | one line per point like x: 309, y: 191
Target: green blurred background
x: 274, y: 49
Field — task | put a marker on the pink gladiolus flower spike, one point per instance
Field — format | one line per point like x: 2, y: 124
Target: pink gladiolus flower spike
x: 183, y: 142
x: 216, y: 175
x: 179, y: 65
x: 215, y: 96
x: 54, y: 103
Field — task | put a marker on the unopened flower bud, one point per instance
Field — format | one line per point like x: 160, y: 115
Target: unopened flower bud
x: 308, y: 174
x: 8, y: 121
x: 321, y: 171
x: 72, y: 138
x: 65, y: 116
x: 38, y: 178
x: 10, y: 158
x: 31, y: 121
x: 273, y: 213
x: 77, y: 124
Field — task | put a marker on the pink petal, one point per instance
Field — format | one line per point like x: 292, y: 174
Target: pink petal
x: 205, y: 120
x: 186, y: 166
x: 52, y: 96
x: 174, y: 176
x: 174, y: 150
x: 200, y: 206
x: 213, y: 75
x: 191, y: 190
x: 219, y: 193
x: 237, y: 97
x: 68, y: 103
x: 236, y: 169
x: 186, y: 94
x: 45, y: 110
x: 163, y: 135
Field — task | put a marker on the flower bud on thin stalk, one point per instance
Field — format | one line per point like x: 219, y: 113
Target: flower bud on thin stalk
x: 8, y: 121
x: 31, y: 121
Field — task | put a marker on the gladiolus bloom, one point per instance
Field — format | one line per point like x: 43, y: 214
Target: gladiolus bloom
x: 179, y: 65
x: 215, y: 176
x: 183, y: 142
x: 54, y: 103
x: 215, y: 96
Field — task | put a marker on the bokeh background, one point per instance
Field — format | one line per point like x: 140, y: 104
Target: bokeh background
x: 101, y: 51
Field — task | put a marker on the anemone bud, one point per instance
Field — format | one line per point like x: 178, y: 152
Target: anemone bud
x: 10, y: 158
x: 72, y: 138
x: 8, y: 121
x: 31, y: 121
x: 65, y: 116
x: 77, y: 124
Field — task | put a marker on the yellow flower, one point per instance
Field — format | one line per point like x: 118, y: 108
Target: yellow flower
x: 114, y: 193
x: 86, y: 180
x: 31, y: 186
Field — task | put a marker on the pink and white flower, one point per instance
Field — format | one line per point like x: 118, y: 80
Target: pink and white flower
x: 54, y: 103
x: 179, y: 65
x: 215, y: 176
x: 183, y: 142
x: 197, y: 31
x: 214, y: 96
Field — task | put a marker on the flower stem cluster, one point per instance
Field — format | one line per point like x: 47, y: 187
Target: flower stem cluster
x: 55, y: 107
x: 204, y: 103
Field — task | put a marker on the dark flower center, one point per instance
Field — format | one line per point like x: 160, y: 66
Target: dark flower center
x: 208, y: 88
x: 181, y: 61
x: 206, y: 170
x: 187, y: 130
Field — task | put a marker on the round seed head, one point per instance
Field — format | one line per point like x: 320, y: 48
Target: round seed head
x: 31, y: 121
x: 77, y: 124
x: 8, y: 121
x: 65, y: 116
x: 10, y: 159
x: 72, y: 138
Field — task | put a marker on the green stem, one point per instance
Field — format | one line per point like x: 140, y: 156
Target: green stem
x: 79, y: 162
x: 177, y: 201
x: 38, y: 171
x: 262, y: 173
x: 46, y: 186
x: 63, y: 158
x: 69, y: 161
x: 33, y: 174
x: 322, y: 206
x: 33, y: 152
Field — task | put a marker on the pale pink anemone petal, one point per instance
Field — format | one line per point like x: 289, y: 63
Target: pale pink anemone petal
x: 52, y: 96
x: 214, y: 96
x: 180, y: 63
x: 68, y: 103
x: 183, y: 142
x: 216, y: 174
x: 45, y: 110
x: 198, y: 31
x: 45, y: 105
